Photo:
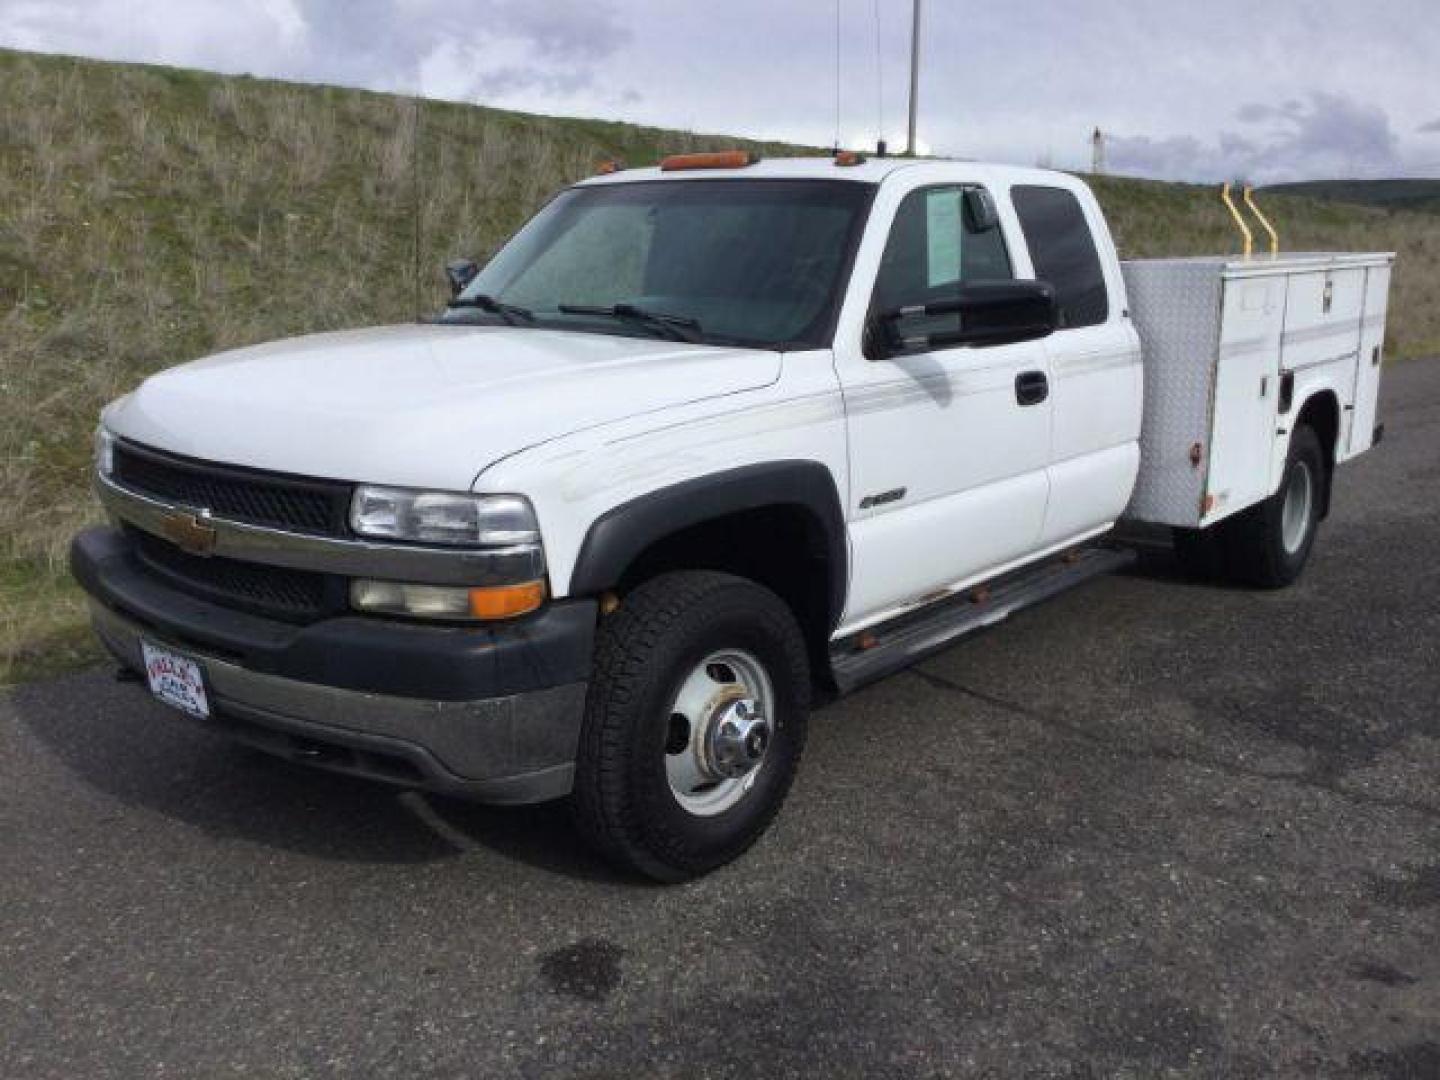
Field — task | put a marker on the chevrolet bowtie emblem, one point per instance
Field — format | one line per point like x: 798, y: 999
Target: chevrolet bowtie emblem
x: 188, y: 532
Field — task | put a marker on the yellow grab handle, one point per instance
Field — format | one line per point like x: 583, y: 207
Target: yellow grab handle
x: 1239, y: 221
x: 1264, y: 221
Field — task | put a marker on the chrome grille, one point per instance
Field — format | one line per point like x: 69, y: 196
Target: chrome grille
x: 273, y: 500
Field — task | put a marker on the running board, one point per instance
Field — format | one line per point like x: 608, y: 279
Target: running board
x: 875, y: 653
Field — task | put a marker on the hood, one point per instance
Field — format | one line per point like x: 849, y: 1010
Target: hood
x: 421, y: 405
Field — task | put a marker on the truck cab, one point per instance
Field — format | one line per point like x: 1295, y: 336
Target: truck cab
x: 701, y: 445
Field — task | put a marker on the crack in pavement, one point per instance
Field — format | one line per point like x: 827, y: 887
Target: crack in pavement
x: 1171, y: 756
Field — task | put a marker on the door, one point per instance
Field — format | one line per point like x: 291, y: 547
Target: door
x: 1320, y: 348
x: 1094, y: 364
x: 948, y: 447
x: 1367, y: 370
x: 1244, y: 408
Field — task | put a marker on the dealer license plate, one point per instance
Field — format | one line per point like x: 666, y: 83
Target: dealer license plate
x: 176, y: 680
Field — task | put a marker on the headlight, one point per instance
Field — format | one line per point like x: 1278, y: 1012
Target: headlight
x: 104, y: 452
x: 457, y: 519
x: 442, y: 517
x: 446, y: 602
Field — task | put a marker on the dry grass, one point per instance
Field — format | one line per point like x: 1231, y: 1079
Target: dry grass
x: 151, y: 215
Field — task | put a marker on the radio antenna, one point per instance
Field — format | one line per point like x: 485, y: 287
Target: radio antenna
x: 837, y: 77
x: 879, y: 85
x: 914, y: 76
x: 415, y: 199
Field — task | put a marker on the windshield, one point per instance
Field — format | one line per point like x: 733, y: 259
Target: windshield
x: 752, y: 262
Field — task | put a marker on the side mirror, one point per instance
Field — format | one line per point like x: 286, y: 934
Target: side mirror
x: 461, y: 272
x: 980, y: 213
x: 986, y: 313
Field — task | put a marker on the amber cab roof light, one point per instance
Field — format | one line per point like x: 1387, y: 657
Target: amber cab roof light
x: 723, y: 159
x: 846, y: 158
x: 605, y: 168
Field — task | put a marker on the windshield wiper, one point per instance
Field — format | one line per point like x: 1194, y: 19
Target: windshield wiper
x: 675, y: 327
x: 485, y: 302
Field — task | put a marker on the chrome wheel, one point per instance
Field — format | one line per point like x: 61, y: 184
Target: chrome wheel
x: 720, y: 728
x: 1295, y: 515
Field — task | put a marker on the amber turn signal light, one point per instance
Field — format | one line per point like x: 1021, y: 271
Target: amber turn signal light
x: 506, y: 601
x: 723, y: 159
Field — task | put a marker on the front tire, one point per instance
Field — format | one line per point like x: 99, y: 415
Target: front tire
x: 695, y: 723
x: 1268, y: 545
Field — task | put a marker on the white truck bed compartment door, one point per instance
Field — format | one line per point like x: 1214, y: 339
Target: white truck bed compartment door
x: 1320, y: 347
x: 1247, y: 376
x: 1367, y: 371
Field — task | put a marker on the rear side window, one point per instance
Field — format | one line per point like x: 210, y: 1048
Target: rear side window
x: 1063, y: 251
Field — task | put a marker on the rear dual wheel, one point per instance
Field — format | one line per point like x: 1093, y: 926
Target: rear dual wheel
x: 695, y: 723
x: 1269, y: 544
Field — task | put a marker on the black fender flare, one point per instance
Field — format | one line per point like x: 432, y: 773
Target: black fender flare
x: 616, y: 538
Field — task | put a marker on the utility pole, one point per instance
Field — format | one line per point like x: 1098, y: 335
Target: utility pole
x: 914, y: 75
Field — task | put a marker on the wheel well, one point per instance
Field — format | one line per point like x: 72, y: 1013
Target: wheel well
x: 1321, y: 413
x: 781, y: 547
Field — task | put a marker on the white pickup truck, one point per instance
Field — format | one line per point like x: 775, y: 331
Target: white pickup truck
x: 699, y: 446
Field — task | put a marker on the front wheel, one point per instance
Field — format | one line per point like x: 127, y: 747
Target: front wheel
x: 694, y: 724
x: 1269, y: 544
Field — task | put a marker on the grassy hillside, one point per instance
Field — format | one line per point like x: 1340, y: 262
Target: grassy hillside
x: 149, y: 215
x: 1397, y: 194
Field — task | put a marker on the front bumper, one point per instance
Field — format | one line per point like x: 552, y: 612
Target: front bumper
x: 491, y: 712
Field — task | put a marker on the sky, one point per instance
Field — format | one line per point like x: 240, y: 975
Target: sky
x: 1259, y: 90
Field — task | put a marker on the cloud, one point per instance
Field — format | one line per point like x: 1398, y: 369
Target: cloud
x: 1255, y: 112
x: 496, y: 70
x: 194, y: 35
x: 482, y: 50
x: 1327, y: 134
x: 1432, y: 128
x: 563, y: 29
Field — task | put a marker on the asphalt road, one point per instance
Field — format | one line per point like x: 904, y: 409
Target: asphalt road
x: 1152, y: 828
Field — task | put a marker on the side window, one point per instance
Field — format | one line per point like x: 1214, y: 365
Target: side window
x: 1063, y: 252
x: 933, y: 248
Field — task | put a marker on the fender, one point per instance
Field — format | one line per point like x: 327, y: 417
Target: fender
x: 622, y: 533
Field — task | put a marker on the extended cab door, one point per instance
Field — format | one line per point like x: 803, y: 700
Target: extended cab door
x: 948, y: 448
x: 1095, y: 363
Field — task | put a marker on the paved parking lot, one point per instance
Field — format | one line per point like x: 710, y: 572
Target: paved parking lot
x: 1152, y: 828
